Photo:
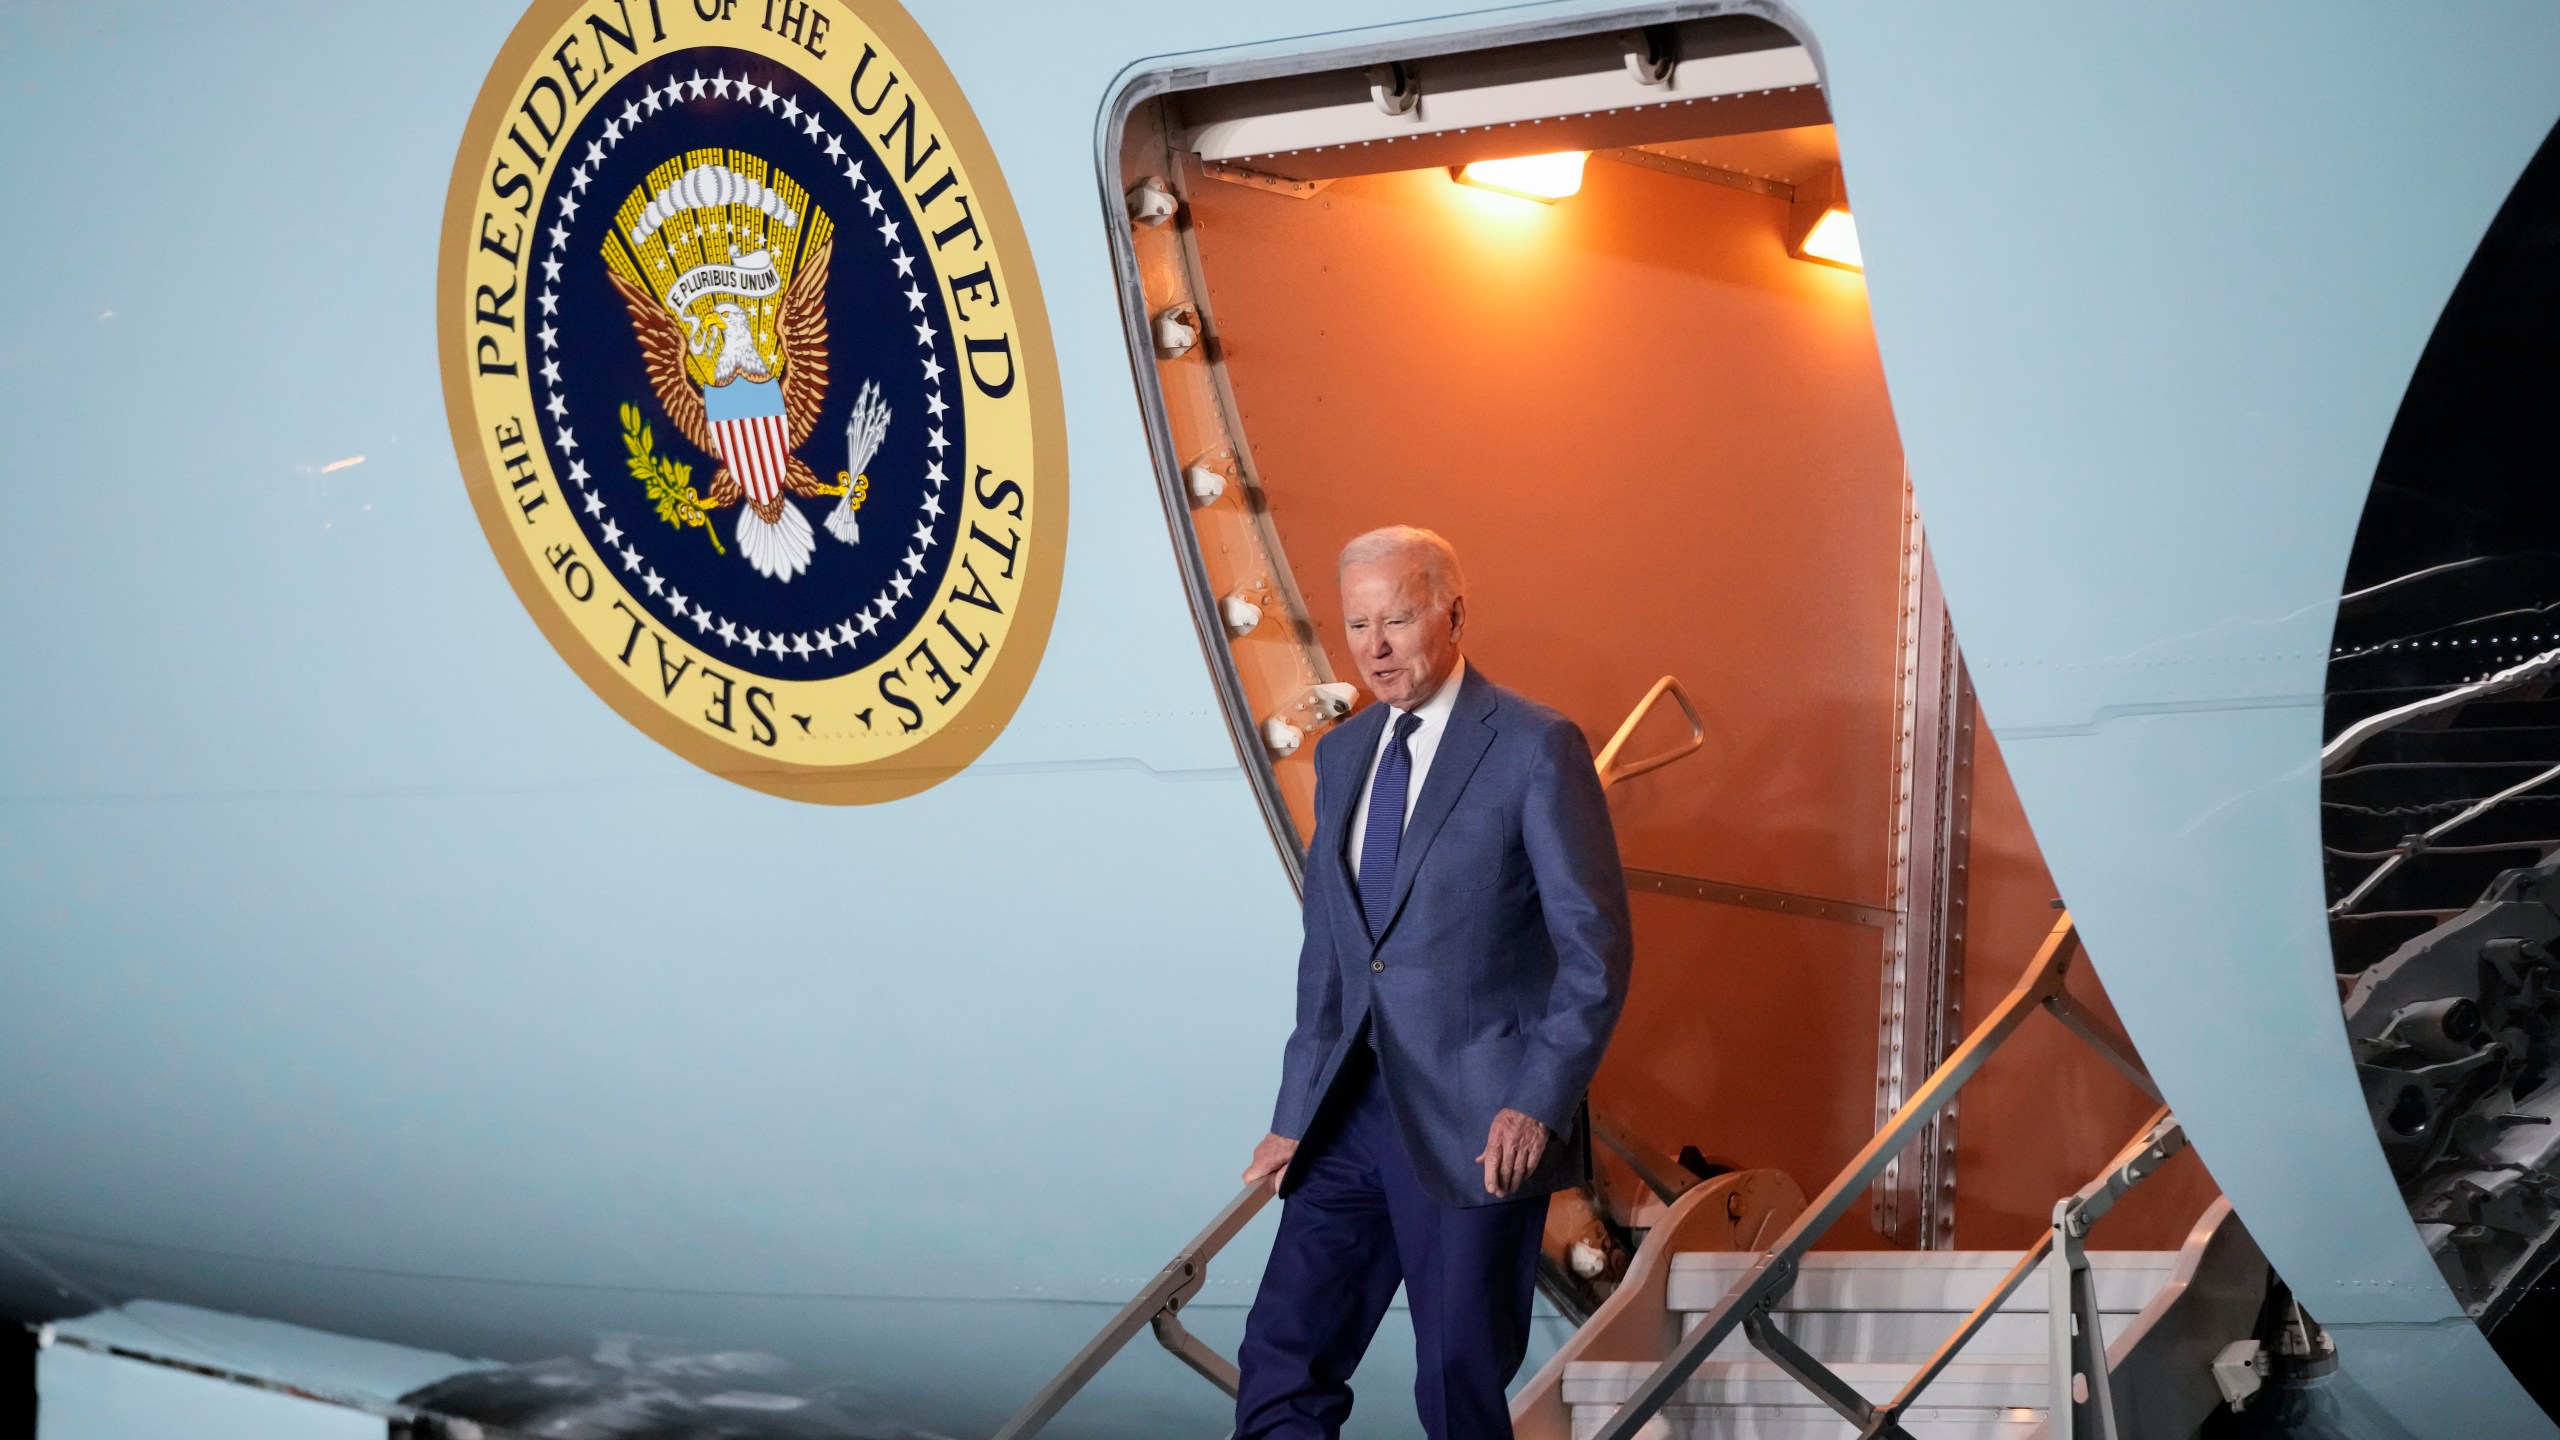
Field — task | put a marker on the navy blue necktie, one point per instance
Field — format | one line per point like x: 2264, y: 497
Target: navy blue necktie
x: 1385, y: 830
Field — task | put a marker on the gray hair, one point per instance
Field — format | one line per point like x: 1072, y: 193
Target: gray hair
x: 1437, y: 557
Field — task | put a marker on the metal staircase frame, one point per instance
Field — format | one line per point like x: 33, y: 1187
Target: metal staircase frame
x: 2082, y: 1396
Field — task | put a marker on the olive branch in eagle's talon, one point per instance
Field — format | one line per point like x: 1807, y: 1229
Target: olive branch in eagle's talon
x: 669, y: 481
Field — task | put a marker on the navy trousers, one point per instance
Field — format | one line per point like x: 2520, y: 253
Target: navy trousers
x: 1357, y: 1225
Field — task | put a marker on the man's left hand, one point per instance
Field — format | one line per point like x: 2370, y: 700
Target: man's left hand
x: 1511, y: 1152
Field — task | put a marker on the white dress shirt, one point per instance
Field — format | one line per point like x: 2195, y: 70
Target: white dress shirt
x: 1424, y: 744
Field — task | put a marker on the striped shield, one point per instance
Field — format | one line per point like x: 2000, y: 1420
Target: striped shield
x: 748, y: 427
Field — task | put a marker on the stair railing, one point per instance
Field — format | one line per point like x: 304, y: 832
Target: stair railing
x: 2081, y: 1396
x: 1157, y: 1307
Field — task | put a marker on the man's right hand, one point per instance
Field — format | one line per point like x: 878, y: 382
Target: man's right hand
x: 1271, y: 1161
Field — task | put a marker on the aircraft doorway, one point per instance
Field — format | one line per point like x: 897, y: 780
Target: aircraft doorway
x: 1638, y: 387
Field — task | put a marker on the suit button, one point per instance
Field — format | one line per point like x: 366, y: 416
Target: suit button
x: 1377, y: 964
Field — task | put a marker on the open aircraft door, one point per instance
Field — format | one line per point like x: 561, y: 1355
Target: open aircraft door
x: 1628, y: 370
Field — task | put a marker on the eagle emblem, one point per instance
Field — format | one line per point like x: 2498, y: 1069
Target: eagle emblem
x: 722, y: 268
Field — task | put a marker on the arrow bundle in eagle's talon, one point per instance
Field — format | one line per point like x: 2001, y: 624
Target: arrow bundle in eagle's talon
x: 864, y: 429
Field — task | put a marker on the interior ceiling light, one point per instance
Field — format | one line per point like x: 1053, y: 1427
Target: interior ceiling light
x: 1834, y: 240
x: 1543, y: 178
x: 1818, y: 224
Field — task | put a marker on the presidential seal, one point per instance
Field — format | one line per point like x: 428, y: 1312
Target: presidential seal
x: 751, y: 384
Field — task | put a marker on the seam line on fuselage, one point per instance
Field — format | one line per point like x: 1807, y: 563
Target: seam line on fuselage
x: 1182, y: 775
x: 2104, y: 715
x: 16, y: 1235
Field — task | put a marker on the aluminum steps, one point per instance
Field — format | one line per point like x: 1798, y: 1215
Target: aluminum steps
x: 1874, y: 1317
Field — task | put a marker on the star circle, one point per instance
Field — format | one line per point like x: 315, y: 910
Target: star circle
x: 855, y: 602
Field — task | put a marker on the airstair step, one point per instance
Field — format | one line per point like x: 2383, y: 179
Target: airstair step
x: 1796, y: 1422
x: 1964, y: 1384
x: 1873, y: 1317
x: 1755, y: 1400
x: 1911, y: 1335
x: 1917, y: 1280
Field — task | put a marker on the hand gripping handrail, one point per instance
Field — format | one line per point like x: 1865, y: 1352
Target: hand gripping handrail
x: 1611, y: 772
x: 1155, y: 1306
x: 1747, y: 1305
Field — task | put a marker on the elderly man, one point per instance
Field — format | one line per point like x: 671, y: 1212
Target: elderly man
x: 1466, y: 954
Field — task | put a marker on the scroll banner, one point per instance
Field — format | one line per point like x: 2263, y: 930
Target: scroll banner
x: 751, y: 275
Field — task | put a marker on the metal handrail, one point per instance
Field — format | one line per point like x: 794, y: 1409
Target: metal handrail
x: 1746, y: 1306
x: 2076, y: 1019
x: 1155, y: 1307
x: 1611, y: 772
x: 2075, y: 1344
x: 1666, y: 1185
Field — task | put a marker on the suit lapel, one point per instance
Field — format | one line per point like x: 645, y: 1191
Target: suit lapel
x: 1356, y: 749
x: 1470, y: 734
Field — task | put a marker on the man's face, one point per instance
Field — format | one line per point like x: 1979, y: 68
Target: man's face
x: 1403, y: 644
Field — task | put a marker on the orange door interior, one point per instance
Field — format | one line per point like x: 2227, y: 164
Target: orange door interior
x: 1662, y: 445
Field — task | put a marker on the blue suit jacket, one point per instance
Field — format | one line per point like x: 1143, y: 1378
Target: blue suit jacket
x: 1500, y: 971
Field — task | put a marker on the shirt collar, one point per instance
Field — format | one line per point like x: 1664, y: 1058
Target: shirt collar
x: 1435, y: 711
